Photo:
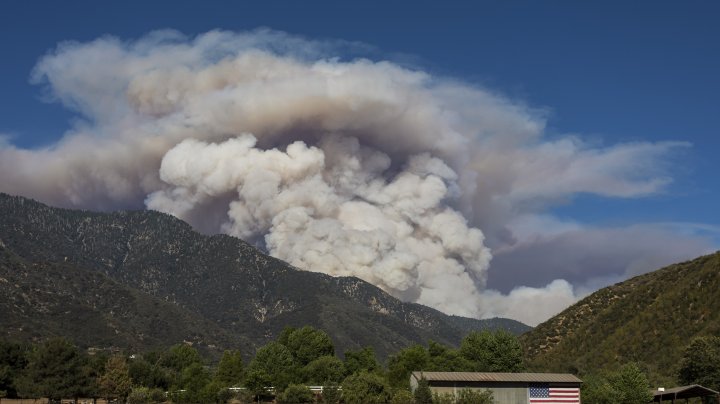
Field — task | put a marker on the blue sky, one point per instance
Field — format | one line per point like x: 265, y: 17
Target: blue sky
x: 611, y: 71
x: 607, y: 72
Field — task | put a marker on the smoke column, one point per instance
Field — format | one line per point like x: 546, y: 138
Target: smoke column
x: 348, y: 167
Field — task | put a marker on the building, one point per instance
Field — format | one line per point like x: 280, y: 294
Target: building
x: 507, y: 388
x: 683, y: 394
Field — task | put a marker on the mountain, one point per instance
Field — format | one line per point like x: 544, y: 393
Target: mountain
x: 144, y: 279
x: 648, y: 319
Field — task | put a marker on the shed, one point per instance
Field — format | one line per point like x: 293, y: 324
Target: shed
x: 683, y: 393
x: 507, y: 388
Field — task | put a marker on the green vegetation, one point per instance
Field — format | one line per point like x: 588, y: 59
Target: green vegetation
x: 281, y: 369
x: 56, y: 369
x: 628, y: 385
x: 422, y: 394
x: 464, y: 396
x: 144, y: 280
x: 365, y: 387
x: 115, y: 382
x: 649, y: 319
x: 483, y: 351
x: 701, y: 363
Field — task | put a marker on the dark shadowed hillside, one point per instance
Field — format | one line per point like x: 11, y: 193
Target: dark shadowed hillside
x: 648, y: 319
x: 140, y: 279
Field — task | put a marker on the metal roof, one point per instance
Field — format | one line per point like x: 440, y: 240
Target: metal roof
x: 497, y: 377
x: 693, y: 390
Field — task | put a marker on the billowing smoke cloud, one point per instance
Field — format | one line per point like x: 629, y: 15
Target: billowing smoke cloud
x: 348, y: 167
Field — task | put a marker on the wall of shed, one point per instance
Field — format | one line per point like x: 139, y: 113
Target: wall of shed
x: 503, y: 393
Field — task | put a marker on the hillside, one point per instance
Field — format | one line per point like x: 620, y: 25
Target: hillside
x: 43, y: 299
x: 114, y: 272
x: 648, y: 319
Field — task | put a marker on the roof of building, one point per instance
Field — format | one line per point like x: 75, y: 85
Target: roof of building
x: 497, y: 377
x: 693, y: 390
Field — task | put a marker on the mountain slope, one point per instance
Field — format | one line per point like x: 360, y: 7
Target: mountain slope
x: 648, y: 319
x: 246, y: 294
x: 42, y: 299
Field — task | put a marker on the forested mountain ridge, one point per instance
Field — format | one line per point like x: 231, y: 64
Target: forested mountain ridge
x: 247, y: 296
x: 648, y: 319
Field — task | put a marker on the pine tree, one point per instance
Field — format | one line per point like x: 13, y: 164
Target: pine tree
x: 115, y: 382
x: 423, y: 394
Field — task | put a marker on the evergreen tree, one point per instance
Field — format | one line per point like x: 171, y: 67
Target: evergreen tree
x: 701, y: 363
x: 115, y: 381
x: 422, y: 393
x: 152, y: 375
x: 56, y: 369
x: 13, y: 358
x: 597, y: 390
x: 631, y: 385
x: 230, y: 369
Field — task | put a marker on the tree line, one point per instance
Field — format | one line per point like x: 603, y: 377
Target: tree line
x: 298, y: 358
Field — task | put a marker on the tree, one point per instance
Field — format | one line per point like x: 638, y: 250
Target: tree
x: 331, y: 394
x: 422, y: 393
x: 631, y: 385
x: 193, y: 380
x: 144, y: 395
x: 402, y: 396
x: 230, y: 369
x: 139, y: 395
x: 445, y: 359
x: 175, y: 359
x: 276, y: 361
x: 56, y: 370
x: 597, y: 390
x: 469, y: 396
x: 180, y: 356
x: 115, y: 381
x: 307, y: 344
x: 144, y: 373
x: 628, y: 385
x: 701, y: 363
x: 13, y: 358
x: 257, y: 381
x: 402, y: 364
x: 324, y: 370
x: 295, y: 394
x: 497, y: 351
x: 361, y: 360
x: 364, y: 387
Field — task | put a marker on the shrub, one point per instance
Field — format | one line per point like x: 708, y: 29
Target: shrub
x: 296, y: 393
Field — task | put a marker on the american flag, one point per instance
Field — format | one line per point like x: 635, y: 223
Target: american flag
x: 546, y: 394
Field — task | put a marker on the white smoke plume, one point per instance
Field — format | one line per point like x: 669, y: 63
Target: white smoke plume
x: 347, y: 167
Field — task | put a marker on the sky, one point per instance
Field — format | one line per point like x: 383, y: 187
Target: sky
x: 571, y: 144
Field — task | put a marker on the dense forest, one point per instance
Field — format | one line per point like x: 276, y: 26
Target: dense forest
x: 283, y: 370
x: 280, y: 370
